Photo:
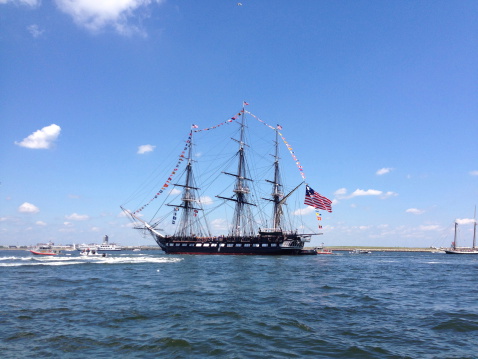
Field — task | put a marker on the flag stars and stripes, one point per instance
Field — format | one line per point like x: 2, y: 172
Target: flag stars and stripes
x: 314, y: 199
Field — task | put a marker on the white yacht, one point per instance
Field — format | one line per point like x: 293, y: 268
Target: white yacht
x: 106, y: 246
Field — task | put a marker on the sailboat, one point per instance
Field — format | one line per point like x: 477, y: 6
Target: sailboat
x: 248, y: 233
x: 463, y: 250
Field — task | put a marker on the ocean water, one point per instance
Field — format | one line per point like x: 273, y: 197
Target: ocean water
x: 151, y: 305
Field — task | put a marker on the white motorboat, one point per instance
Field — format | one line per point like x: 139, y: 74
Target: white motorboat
x: 108, y: 247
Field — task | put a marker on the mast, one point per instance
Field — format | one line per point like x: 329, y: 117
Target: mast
x: 454, y: 239
x: 278, y: 197
x: 242, y: 222
x: 474, y: 230
x: 276, y: 192
x: 189, y: 225
x: 240, y: 225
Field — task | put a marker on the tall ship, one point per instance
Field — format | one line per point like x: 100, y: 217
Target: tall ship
x: 252, y: 220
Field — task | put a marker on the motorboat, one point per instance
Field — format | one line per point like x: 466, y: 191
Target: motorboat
x: 45, y: 250
x: 92, y: 253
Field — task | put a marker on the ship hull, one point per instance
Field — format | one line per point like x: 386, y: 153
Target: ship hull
x: 230, y: 248
x: 43, y: 253
x: 461, y: 252
x: 231, y: 251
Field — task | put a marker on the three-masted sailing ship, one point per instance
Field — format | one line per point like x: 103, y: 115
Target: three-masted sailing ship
x: 246, y: 234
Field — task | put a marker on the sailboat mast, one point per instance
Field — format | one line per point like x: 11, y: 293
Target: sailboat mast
x: 186, y: 226
x: 240, y: 224
x: 276, y: 194
x: 474, y: 230
x: 454, y: 239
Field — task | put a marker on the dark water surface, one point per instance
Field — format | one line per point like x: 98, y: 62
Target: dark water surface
x: 147, y: 304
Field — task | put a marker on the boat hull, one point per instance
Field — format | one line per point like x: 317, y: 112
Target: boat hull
x: 293, y: 247
x: 44, y: 253
x: 230, y: 250
x: 461, y: 252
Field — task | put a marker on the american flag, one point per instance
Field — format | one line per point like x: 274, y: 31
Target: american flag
x: 314, y: 199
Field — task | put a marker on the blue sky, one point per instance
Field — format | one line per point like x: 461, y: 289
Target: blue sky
x: 379, y: 100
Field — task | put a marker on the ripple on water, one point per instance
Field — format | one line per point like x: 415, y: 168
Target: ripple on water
x: 379, y: 306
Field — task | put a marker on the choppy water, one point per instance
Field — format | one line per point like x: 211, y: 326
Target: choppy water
x: 148, y: 304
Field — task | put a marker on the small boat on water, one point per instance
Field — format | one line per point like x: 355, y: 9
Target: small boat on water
x: 45, y: 250
x: 463, y: 250
x: 92, y: 253
x: 108, y: 247
x: 103, y: 247
x: 323, y: 250
x: 360, y: 251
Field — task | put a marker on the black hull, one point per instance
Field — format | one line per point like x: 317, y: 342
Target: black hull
x: 193, y: 248
x: 291, y: 246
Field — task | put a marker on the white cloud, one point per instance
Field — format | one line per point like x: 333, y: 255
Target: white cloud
x: 219, y: 224
x: 40, y: 223
x: 35, y: 30
x: 383, y: 171
x: 415, y: 211
x: 96, y: 15
x: 41, y: 139
x: 145, y: 148
x: 363, y: 228
x: 206, y: 200
x: 77, y: 217
x: 369, y: 192
x: 68, y: 228
x: 372, y: 192
x: 465, y: 221
x: 95, y: 229
x: 28, y: 208
x: 341, y: 192
x: 474, y: 173
x: 303, y: 211
x: 175, y: 191
x: 31, y: 3
x: 430, y: 227
x: 388, y: 194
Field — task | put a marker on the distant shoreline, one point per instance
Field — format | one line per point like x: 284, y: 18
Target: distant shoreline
x: 333, y: 248
x: 380, y: 249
